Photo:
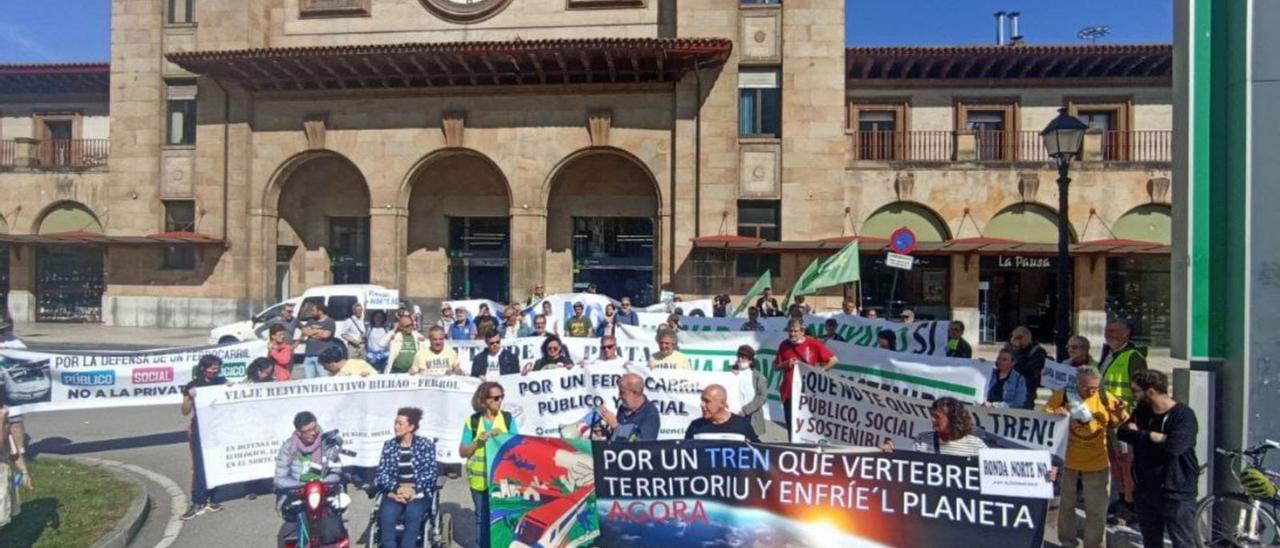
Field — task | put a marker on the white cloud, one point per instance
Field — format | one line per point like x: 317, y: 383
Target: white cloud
x: 19, y: 40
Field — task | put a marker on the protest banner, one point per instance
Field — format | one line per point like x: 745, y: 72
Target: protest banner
x: 1057, y: 375
x: 564, y: 401
x: 835, y: 410
x: 1015, y: 473
x: 472, y: 306
x: 541, y: 492
x: 928, y: 338
x: 40, y: 381
x: 694, y: 493
x: 243, y: 426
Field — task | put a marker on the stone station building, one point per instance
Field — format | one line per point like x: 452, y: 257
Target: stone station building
x: 474, y: 149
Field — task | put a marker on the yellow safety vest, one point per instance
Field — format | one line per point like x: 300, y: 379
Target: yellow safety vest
x: 477, y: 473
x: 1115, y: 380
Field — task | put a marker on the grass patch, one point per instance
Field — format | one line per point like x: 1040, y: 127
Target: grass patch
x: 71, y: 505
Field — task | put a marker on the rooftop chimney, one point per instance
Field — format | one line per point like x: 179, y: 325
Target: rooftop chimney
x: 999, y: 28
x: 1015, y: 37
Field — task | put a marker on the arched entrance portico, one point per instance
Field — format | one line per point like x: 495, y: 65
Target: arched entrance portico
x: 69, y: 279
x: 459, y: 239
x: 602, y: 225
x: 321, y: 233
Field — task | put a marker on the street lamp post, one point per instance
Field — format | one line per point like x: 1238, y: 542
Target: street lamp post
x: 1063, y: 138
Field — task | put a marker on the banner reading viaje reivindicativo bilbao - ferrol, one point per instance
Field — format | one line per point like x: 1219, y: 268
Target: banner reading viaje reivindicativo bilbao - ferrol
x: 41, y: 381
x: 698, y: 493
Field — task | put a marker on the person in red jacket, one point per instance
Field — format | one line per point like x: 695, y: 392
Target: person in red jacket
x: 795, y: 350
x: 280, y: 350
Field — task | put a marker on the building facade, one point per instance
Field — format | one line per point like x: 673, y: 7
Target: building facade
x: 476, y: 149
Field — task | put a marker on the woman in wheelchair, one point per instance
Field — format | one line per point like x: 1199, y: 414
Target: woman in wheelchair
x: 406, y: 479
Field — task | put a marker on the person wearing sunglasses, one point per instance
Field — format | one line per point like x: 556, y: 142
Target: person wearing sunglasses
x: 488, y: 420
x: 609, y: 353
x: 494, y: 361
x: 554, y: 354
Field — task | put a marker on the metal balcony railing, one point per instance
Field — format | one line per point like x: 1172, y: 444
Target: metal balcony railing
x: 1004, y: 146
x: 72, y: 153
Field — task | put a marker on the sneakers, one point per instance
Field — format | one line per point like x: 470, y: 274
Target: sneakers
x: 192, y: 511
x: 197, y: 509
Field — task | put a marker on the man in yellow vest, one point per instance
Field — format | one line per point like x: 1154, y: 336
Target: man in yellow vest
x: 1120, y: 360
x: 488, y: 420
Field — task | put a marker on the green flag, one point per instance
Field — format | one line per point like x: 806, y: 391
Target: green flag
x: 765, y: 280
x: 841, y: 268
x: 804, y: 284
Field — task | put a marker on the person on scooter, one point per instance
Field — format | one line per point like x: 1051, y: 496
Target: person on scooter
x: 406, y: 477
x: 294, y: 468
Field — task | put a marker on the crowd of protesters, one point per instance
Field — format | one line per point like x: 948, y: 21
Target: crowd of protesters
x: 1129, y: 452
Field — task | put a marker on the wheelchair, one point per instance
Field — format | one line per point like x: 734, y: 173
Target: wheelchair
x: 437, y: 528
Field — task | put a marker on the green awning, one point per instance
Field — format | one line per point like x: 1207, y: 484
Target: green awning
x: 924, y: 223
x: 69, y: 217
x: 1027, y: 223
x: 1146, y: 223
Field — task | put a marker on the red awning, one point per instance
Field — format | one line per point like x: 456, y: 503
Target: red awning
x: 448, y: 64
x: 93, y: 238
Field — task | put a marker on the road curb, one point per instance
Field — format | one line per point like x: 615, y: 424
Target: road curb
x: 134, y: 518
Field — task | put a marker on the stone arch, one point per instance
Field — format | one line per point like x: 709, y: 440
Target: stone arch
x: 66, y: 216
x: 604, y: 212
x: 320, y: 201
x: 922, y: 220
x: 1028, y: 223
x: 1146, y: 223
x: 463, y: 190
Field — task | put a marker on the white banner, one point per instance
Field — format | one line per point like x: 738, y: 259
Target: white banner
x: 243, y: 426
x: 545, y: 402
x: 1014, y: 473
x: 382, y: 299
x: 39, y: 381
x: 928, y: 338
x: 831, y: 409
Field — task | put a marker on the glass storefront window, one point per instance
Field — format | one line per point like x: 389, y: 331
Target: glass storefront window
x: 479, y: 257
x: 1139, y: 290
x: 924, y: 289
x: 616, y: 254
x: 1017, y: 290
x: 349, y: 249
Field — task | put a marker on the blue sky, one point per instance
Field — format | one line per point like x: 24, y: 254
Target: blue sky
x: 79, y: 30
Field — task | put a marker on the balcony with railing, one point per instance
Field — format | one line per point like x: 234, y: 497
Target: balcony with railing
x: 54, y: 154
x: 1004, y: 146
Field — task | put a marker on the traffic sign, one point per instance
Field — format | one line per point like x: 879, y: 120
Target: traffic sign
x: 903, y: 241
x: 895, y: 260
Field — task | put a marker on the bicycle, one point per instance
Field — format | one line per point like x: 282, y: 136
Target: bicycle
x: 1242, y: 518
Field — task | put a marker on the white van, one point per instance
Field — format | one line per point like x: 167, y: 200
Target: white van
x: 339, y: 299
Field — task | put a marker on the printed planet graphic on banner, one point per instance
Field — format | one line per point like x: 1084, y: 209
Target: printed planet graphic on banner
x: 541, y: 492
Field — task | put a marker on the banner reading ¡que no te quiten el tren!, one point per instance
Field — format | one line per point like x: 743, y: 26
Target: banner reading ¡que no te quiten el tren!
x: 565, y: 492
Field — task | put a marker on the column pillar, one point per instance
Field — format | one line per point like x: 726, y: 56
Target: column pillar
x: 262, y: 256
x: 388, y: 229
x: 22, y: 283
x: 1090, y: 290
x: 529, y: 253
x: 964, y: 276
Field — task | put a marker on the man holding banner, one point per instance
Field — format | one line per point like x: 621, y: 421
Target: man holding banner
x: 798, y: 349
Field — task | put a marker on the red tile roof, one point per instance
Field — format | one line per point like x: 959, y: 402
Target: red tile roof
x: 1151, y: 63
x: 54, y: 78
x: 515, y: 62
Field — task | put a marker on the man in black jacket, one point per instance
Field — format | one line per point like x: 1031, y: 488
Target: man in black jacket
x: 957, y: 347
x: 1163, y: 435
x: 494, y: 360
x: 1029, y: 361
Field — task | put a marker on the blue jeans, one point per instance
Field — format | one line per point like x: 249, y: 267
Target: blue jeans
x: 200, y: 493
x: 311, y: 367
x: 481, y: 500
x: 392, y: 512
